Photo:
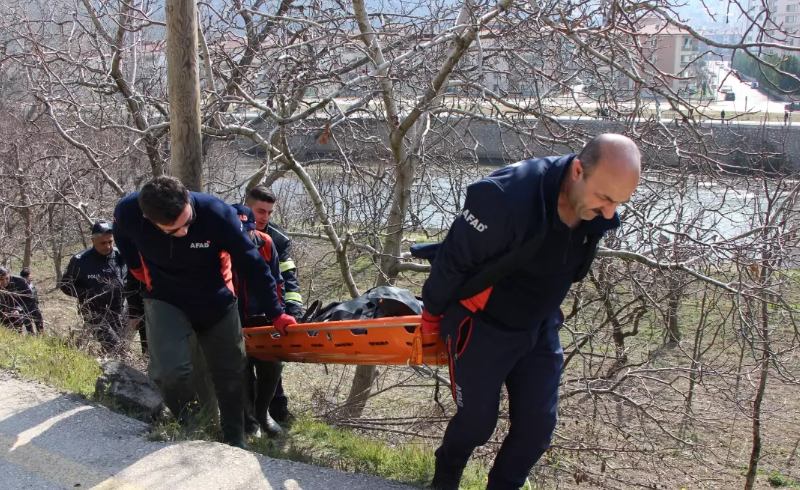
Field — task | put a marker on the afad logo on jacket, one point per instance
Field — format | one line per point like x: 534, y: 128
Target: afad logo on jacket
x: 472, y: 220
x: 201, y: 244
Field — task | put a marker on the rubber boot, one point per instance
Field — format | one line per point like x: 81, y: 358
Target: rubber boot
x: 271, y: 428
x: 268, y: 373
x: 238, y: 442
x: 279, y: 406
x: 252, y: 428
x: 231, y: 410
x: 446, y: 477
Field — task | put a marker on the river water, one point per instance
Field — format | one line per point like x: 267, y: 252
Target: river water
x: 705, y: 210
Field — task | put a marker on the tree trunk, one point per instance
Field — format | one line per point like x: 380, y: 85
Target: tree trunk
x: 183, y: 80
x: 55, y: 244
x: 24, y: 211
x: 26, y: 216
x: 406, y: 160
x: 697, y: 353
x: 360, y: 390
x: 755, y: 453
x: 365, y: 375
x: 673, y: 328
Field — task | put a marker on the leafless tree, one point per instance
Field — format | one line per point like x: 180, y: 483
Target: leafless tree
x: 369, y: 121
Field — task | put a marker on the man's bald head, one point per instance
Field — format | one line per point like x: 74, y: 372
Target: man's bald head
x: 603, y: 175
x: 610, y: 148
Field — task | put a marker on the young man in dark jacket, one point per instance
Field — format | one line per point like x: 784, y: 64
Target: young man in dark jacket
x: 96, y: 277
x: 508, y: 333
x: 182, y: 246
x: 17, y: 309
x: 262, y: 202
x: 261, y: 377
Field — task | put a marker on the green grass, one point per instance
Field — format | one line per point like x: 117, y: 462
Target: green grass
x: 776, y: 479
x: 318, y: 443
x: 50, y: 360
x: 204, y: 428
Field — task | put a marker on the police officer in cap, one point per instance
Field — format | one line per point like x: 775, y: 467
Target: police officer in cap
x: 96, y: 277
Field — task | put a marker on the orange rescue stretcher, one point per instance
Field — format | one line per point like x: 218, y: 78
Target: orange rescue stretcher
x: 386, y: 341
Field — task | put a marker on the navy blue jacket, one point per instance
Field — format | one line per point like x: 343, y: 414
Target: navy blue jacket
x: 193, y: 272
x: 249, y: 305
x: 96, y: 280
x: 283, y: 244
x: 502, y: 212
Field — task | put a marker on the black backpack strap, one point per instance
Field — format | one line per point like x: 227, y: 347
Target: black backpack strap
x: 311, y: 312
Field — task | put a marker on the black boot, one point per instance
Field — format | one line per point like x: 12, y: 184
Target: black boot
x: 230, y: 398
x: 270, y: 427
x: 252, y: 428
x: 279, y: 405
x: 446, y: 477
x: 268, y: 375
x: 237, y: 442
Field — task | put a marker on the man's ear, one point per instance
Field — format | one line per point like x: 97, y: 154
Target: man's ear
x: 577, y: 169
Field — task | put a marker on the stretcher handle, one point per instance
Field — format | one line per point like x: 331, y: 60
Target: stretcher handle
x: 386, y: 322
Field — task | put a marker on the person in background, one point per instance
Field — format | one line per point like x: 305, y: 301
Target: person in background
x: 35, y: 311
x: 16, y: 302
x: 182, y: 245
x: 262, y: 202
x: 261, y: 377
x: 96, y: 277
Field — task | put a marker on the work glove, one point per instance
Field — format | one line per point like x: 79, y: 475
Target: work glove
x: 282, y: 321
x: 294, y: 309
x: 430, y: 323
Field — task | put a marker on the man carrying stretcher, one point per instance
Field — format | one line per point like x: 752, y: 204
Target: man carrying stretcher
x: 181, y: 245
x: 261, y: 377
x: 508, y: 332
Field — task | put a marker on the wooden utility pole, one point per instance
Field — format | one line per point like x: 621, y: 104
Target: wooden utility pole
x: 183, y: 81
x: 183, y: 84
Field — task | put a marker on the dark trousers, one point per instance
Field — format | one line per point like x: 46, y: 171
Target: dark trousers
x: 482, y: 359
x: 261, y: 379
x: 105, y: 323
x: 168, y: 332
x: 279, y: 406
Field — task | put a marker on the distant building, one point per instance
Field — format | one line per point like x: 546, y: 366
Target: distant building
x: 730, y: 36
x: 784, y: 25
x: 673, y: 51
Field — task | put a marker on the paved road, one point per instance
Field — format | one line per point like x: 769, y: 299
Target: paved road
x: 747, y: 98
x: 52, y: 441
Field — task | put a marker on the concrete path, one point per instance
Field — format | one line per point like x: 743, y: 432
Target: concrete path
x: 54, y: 441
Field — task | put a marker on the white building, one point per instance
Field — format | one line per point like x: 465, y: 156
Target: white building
x: 784, y: 21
